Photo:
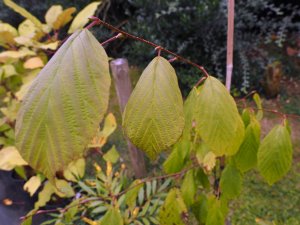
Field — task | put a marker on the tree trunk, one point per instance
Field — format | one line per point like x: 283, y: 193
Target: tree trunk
x: 120, y: 73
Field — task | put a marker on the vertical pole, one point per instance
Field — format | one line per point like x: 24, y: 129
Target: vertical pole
x: 230, y: 32
x: 120, y: 72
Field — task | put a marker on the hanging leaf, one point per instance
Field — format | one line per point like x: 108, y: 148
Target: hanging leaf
x: 274, y: 155
x: 10, y: 158
x: 189, y: 113
x: 176, y: 160
x: 44, y: 195
x: 174, y: 210
x: 214, y: 214
x: 153, y: 117
x: 62, y: 110
x: 23, y: 12
x: 112, y: 216
x: 246, y: 158
x: 231, y: 182
x: 64, y: 18
x: 83, y: 17
x: 188, y: 188
x: 217, y: 117
x: 32, y: 184
x: 199, y: 208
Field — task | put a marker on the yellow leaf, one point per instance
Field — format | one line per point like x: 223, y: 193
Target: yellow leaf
x: 10, y: 158
x: 6, y: 38
x: 64, y: 18
x: 27, y: 29
x: 5, y: 27
x: 83, y: 17
x: 63, y: 189
x: 109, y: 127
x: 209, y: 161
x: 52, y: 14
x: 9, y: 70
x: 24, y: 40
x: 32, y: 185
x: 33, y: 63
x: 51, y: 46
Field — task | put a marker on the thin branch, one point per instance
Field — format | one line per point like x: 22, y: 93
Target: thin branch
x: 97, y: 21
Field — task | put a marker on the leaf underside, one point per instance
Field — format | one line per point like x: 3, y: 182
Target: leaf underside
x: 64, y: 105
x: 274, y: 157
x: 217, y: 118
x: 153, y: 118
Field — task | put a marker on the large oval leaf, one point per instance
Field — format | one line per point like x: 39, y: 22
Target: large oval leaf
x: 274, y: 155
x: 153, y: 117
x: 217, y: 117
x: 64, y: 105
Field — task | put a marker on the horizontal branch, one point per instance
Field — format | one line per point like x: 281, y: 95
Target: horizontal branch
x: 97, y: 21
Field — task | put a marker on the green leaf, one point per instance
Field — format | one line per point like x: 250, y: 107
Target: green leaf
x: 64, y: 105
x: 246, y: 158
x: 112, y: 155
x: 176, y: 160
x: 274, y: 155
x: 214, y: 214
x: 112, y: 216
x: 83, y: 17
x: 231, y: 182
x: 52, y: 14
x: 217, y: 117
x: 202, y: 178
x: 132, y: 194
x: 23, y: 12
x: 75, y: 170
x: 153, y: 118
x: 257, y: 100
x: 189, y: 113
x: 188, y: 188
x: 10, y: 158
x: 199, y: 208
x: 174, y: 210
x: 64, y: 189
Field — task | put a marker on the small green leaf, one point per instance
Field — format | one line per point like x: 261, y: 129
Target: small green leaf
x: 64, y: 105
x: 113, y: 217
x: 188, y: 188
x: 75, y: 170
x: 83, y: 17
x: 132, y: 194
x: 153, y: 117
x: 274, y: 157
x: 246, y: 158
x: 176, y: 160
x: 112, y: 155
x: 258, y: 103
x: 174, y: 210
x: 202, y: 178
x: 231, y: 182
x: 199, y: 208
x: 217, y: 117
x: 214, y: 214
x: 64, y: 189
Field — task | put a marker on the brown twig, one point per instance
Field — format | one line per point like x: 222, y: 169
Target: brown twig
x: 97, y: 21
